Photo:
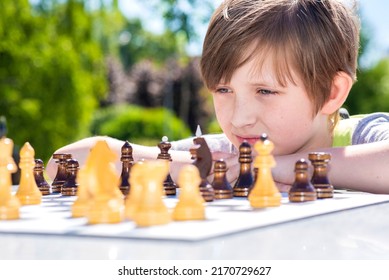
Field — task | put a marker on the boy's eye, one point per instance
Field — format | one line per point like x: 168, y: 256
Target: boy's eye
x: 223, y: 90
x: 266, y: 91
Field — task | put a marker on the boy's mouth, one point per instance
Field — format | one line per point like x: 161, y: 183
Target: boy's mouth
x: 250, y: 139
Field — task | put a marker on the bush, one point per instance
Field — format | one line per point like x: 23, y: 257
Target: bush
x: 138, y: 125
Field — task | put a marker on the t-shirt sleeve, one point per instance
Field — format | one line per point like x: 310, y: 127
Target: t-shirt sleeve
x: 372, y: 128
x: 216, y: 143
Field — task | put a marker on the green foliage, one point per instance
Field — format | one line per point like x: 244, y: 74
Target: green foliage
x: 371, y: 91
x: 138, y: 125
x: 180, y: 18
x: 183, y: 15
x: 214, y: 127
x: 143, y: 45
x: 52, y: 72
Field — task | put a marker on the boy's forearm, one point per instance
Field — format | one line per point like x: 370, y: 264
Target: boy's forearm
x: 80, y: 151
x: 359, y: 167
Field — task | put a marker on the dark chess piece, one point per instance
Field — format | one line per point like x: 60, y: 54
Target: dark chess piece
x: 60, y: 178
x: 40, y: 180
x: 245, y: 179
x: 222, y: 187
x: 320, y: 179
x: 127, y: 162
x: 203, y: 161
x: 69, y: 188
x: 168, y: 185
x: 3, y: 126
x: 302, y: 190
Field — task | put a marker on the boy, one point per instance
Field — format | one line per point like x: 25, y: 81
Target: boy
x: 284, y: 68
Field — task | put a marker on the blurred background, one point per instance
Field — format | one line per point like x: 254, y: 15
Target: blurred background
x: 129, y: 69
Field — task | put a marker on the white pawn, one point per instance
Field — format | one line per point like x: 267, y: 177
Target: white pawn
x: 190, y: 205
x: 9, y: 204
x: 28, y: 192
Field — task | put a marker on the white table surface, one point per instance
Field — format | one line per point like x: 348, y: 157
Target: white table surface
x: 360, y: 233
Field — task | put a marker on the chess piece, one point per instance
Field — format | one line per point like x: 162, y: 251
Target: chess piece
x: 61, y: 175
x: 168, y: 185
x: 151, y: 209
x: 320, y: 179
x: 3, y: 127
x: 245, y: 179
x: 7, y: 148
x: 28, y: 192
x: 127, y: 162
x: 264, y: 193
x: 9, y: 204
x: 40, y: 180
x: 107, y: 203
x: 86, y: 180
x: 302, y: 190
x: 190, y: 205
x: 203, y: 161
x: 81, y: 204
x: 133, y: 198
x: 222, y: 187
x: 69, y: 188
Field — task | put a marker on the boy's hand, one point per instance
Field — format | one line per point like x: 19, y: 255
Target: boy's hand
x: 232, y: 161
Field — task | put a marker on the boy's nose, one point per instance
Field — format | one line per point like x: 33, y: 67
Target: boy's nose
x: 243, y: 114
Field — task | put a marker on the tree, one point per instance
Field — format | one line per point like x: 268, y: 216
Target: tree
x: 371, y: 91
x: 52, y: 72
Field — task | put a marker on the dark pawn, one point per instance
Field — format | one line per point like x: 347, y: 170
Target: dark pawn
x: 168, y: 185
x: 70, y: 186
x: 3, y: 126
x: 320, y: 179
x: 60, y: 178
x: 40, y: 180
x: 222, y: 187
x: 302, y: 190
x: 127, y: 162
x: 245, y: 180
x: 203, y: 161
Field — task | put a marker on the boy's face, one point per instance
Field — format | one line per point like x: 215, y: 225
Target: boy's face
x: 253, y: 102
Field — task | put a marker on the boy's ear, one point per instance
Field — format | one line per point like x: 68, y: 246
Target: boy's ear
x: 340, y: 89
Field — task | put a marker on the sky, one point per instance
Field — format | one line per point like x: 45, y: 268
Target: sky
x: 375, y: 16
x: 373, y: 12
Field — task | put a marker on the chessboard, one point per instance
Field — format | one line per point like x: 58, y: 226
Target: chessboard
x: 223, y: 217
x: 49, y: 210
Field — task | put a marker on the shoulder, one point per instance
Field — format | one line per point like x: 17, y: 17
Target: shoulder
x: 371, y: 128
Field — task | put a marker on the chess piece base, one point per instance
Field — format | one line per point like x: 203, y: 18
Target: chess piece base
x: 56, y: 188
x: 79, y: 209
x: 265, y: 201
x: 10, y: 211
x: 108, y: 211
x: 241, y: 192
x: 170, y: 190
x: 152, y: 218
x: 207, y: 192
x: 223, y: 194
x: 29, y: 199
x: 69, y: 191
x: 45, y: 190
x: 324, y: 191
x: 185, y: 214
x: 302, y: 196
x: 125, y: 190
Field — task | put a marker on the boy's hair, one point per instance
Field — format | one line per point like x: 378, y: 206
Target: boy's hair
x: 314, y: 39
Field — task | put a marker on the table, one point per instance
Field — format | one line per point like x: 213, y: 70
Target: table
x: 359, y: 233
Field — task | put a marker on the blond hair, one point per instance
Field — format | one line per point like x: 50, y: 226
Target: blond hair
x: 316, y: 39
